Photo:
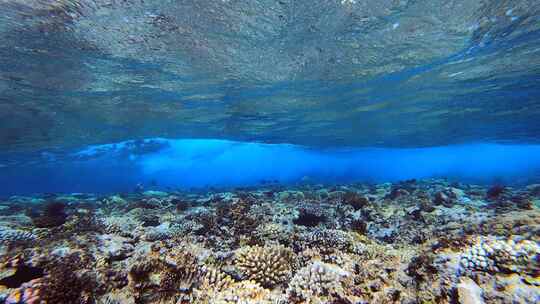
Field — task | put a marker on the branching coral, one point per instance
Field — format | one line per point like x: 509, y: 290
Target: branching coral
x: 331, y: 255
x: 319, y: 283
x: 244, y: 292
x: 269, y: 266
x: 310, y: 218
x: 215, y: 280
x: 212, y: 283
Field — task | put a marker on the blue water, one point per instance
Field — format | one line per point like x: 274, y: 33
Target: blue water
x: 254, y: 92
x: 191, y: 163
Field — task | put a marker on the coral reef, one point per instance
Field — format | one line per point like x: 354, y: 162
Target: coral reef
x: 417, y: 241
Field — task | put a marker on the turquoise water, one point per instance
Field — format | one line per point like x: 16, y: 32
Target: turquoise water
x: 423, y: 88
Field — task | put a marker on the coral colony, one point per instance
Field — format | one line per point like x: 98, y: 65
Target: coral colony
x: 425, y: 241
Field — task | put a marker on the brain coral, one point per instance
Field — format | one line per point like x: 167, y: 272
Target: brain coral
x: 269, y: 265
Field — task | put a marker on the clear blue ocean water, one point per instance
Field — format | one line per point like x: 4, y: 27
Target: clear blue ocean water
x: 252, y: 91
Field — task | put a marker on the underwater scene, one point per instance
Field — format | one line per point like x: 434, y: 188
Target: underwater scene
x: 269, y: 151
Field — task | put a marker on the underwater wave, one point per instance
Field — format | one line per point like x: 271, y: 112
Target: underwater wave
x: 184, y: 163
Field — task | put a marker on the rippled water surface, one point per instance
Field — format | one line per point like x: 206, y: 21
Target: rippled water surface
x: 319, y: 73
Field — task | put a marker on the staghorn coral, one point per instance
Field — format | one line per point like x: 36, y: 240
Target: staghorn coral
x: 144, y: 279
x: 174, y: 286
x: 113, y: 299
x: 319, y: 283
x: 215, y: 280
x: 140, y: 271
x: 269, y: 266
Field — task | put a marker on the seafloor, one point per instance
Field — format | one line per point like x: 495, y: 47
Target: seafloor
x: 428, y: 241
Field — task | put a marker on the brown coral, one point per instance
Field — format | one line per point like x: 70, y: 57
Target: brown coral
x: 269, y: 266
